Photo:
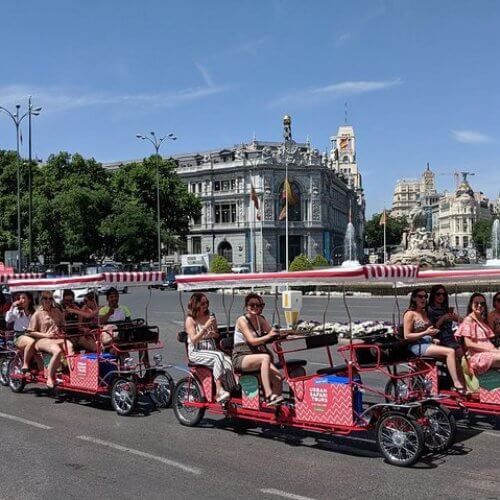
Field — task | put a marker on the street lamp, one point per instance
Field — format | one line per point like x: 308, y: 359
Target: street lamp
x: 157, y: 142
x: 17, y: 121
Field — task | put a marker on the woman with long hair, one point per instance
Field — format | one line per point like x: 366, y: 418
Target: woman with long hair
x: 420, y: 333
x: 20, y: 314
x: 494, y: 319
x: 201, y: 327
x: 251, y: 333
x: 442, y: 316
x: 478, y: 335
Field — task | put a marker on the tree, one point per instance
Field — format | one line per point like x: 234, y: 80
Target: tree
x: 300, y: 263
x: 220, y: 265
x: 319, y: 261
x: 374, y: 232
x: 135, y: 185
x: 481, y: 234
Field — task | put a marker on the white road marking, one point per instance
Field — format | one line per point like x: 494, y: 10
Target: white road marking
x: 24, y: 421
x: 163, y: 460
x: 284, y: 494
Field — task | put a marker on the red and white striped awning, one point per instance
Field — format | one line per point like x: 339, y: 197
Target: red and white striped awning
x: 480, y: 275
x: 135, y: 278
x: 388, y: 273
x: 32, y: 283
x: 247, y: 280
x: 6, y: 277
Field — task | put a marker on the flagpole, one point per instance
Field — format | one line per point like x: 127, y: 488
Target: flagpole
x: 385, y: 236
x: 262, y: 219
x: 287, y: 127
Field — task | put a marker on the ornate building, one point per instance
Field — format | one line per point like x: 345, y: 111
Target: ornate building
x: 408, y: 193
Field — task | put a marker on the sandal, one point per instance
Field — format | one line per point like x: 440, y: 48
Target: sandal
x: 462, y: 391
x: 274, y: 400
x: 223, y: 396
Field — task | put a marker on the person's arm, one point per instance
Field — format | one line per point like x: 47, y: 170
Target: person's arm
x: 195, y: 336
x: 12, y: 314
x: 104, y: 316
x: 475, y: 346
x: 408, y: 329
x: 83, y: 314
x: 34, y: 328
x: 244, y: 328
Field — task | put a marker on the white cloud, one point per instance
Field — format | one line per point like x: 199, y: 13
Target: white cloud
x: 58, y: 98
x: 333, y: 91
x: 470, y: 137
x: 342, y: 38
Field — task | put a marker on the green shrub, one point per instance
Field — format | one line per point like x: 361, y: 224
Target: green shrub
x: 220, y: 265
x: 319, y: 261
x: 300, y: 263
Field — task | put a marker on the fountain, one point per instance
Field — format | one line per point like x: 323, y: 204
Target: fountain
x: 350, y: 250
x: 495, y: 245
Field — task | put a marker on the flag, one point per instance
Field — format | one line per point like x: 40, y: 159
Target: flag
x: 286, y: 193
x: 383, y: 218
x: 344, y: 142
x: 255, y: 200
x: 282, y: 215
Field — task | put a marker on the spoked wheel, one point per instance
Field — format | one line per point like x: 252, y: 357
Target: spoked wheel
x: 4, y: 371
x: 400, y: 438
x: 188, y: 390
x: 440, y: 428
x: 124, y: 396
x: 162, y: 391
x: 16, y: 383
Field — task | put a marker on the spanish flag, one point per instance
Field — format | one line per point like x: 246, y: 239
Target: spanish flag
x: 383, y: 218
x: 286, y: 193
x: 255, y: 200
x: 344, y: 142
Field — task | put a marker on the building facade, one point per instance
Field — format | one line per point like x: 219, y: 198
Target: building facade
x: 251, y: 229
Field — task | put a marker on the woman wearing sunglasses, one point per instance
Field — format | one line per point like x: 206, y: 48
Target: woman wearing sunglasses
x: 494, y: 319
x: 478, y: 335
x: 421, y: 335
x: 44, y: 327
x: 442, y: 316
x: 251, y: 334
x: 202, y: 331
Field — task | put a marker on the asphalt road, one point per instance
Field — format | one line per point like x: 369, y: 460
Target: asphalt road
x: 84, y: 450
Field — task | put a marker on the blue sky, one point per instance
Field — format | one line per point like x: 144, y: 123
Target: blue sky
x: 421, y: 79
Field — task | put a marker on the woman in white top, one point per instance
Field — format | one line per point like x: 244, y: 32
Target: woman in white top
x: 251, y: 334
x: 202, y: 331
x: 20, y: 314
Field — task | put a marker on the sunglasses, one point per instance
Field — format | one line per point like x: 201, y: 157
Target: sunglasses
x: 477, y: 304
x: 46, y: 298
x: 440, y: 294
x: 256, y: 304
x: 421, y: 296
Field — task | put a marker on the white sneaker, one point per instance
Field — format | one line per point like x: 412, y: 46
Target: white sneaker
x: 223, y: 396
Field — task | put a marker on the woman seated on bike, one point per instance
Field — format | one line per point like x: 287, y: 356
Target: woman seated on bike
x: 420, y: 334
x: 494, y: 319
x: 87, y: 314
x: 202, y: 331
x: 477, y: 335
x: 44, y: 327
x: 442, y: 316
x: 251, y: 333
x: 20, y: 314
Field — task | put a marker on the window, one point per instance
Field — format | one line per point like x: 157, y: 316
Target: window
x: 199, y: 187
x: 225, y: 185
x: 196, y: 244
x: 225, y: 213
x: 216, y: 185
x: 233, y: 184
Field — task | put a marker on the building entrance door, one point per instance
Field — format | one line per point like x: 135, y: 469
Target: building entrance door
x: 294, y: 249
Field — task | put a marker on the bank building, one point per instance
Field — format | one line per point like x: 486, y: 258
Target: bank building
x: 242, y: 191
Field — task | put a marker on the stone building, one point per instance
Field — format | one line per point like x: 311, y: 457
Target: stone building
x: 409, y: 192
x: 230, y: 223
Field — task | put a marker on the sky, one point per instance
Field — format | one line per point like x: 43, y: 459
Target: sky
x: 421, y: 80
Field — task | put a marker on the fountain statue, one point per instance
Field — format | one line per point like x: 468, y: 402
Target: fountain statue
x: 495, y: 245
x: 419, y: 245
x: 350, y: 250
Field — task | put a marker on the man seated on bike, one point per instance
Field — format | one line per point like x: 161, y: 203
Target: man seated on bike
x: 44, y: 326
x: 82, y: 316
x: 112, y: 313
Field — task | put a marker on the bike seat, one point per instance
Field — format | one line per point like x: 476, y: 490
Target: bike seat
x: 332, y: 370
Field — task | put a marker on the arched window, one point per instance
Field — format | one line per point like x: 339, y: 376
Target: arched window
x: 225, y: 250
x: 294, y: 204
x: 345, y: 159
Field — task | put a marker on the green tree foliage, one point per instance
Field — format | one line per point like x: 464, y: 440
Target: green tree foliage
x: 82, y: 212
x: 220, y: 265
x: 374, y: 232
x: 481, y: 234
x: 300, y: 263
x: 319, y: 261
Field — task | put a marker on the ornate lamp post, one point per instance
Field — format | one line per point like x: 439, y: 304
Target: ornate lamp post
x: 157, y: 142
